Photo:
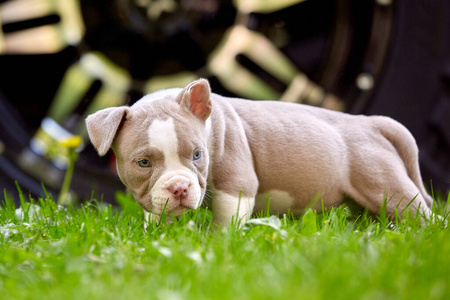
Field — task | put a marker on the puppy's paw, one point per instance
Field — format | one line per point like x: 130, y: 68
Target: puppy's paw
x: 150, y: 218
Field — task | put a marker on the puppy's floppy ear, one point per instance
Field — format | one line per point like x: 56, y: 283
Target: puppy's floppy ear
x: 102, y: 127
x: 196, y: 97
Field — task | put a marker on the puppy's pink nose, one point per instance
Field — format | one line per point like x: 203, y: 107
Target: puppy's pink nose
x: 179, y: 189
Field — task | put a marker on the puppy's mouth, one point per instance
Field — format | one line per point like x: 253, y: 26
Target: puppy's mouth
x: 179, y: 210
x: 175, y: 209
x: 170, y: 205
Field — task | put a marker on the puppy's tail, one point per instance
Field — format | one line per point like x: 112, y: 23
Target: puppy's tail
x: 405, y: 144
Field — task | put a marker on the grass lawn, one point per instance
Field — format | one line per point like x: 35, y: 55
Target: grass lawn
x: 97, y: 251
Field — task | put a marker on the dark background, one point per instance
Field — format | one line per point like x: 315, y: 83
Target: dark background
x: 404, y: 46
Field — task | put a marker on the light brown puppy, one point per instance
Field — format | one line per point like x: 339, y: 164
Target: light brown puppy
x: 174, y: 143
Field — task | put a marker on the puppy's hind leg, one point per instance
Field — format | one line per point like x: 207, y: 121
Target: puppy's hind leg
x: 387, y: 180
x: 406, y: 147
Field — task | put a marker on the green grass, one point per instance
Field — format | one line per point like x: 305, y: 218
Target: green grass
x: 97, y: 251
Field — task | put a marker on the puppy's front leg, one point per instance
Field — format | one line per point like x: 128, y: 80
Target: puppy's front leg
x: 149, y: 218
x: 227, y: 208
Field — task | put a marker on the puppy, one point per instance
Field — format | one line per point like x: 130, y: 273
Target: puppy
x: 173, y: 144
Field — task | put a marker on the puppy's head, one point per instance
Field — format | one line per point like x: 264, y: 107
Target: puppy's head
x: 160, y: 145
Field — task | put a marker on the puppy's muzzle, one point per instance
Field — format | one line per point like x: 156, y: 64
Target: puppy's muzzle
x: 175, y: 191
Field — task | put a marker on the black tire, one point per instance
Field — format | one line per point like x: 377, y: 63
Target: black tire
x: 415, y: 84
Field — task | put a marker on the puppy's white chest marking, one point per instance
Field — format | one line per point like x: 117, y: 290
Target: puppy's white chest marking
x: 162, y: 136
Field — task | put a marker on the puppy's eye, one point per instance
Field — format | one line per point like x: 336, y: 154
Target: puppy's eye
x: 144, y: 163
x: 197, y: 154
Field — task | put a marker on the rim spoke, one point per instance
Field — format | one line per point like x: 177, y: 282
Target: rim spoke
x: 264, y: 6
x: 257, y: 48
x: 75, y: 99
x: 169, y: 81
x: 39, y: 26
